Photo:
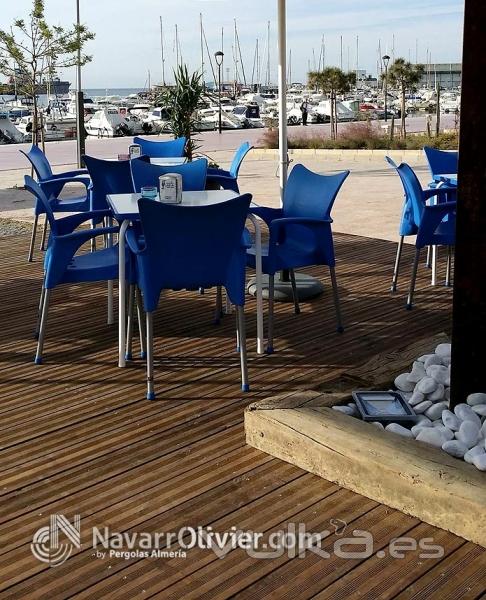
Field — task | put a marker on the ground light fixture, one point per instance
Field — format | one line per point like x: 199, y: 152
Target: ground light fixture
x: 218, y: 57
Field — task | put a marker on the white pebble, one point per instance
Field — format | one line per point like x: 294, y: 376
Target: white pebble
x: 403, y: 384
x: 482, y: 432
x: 416, y: 429
x: 443, y: 350
x: 446, y: 433
x: 455, y: 448
x: 423, y: 358
x: 432, y: 359
x: 468, y: 433
x: 479, y: 461
x: 450, y: 420
x: 422, y: 419
x: 427, y: 385
x: 438, y: 394
x: 466, y: 413
x: 439, y: 373
x: 435, y: 411
x: 446, y: 360
x: 431, y: 435
x: 480, y: 409
x: 418, y: 372
x: 347, y: 410
x: 417, y: 398
x: 470, y: 454
x: 377, y: 424
x: 396, y: 428
x: 475, y: 399
x: 447, y: 394
x: 422, y: 407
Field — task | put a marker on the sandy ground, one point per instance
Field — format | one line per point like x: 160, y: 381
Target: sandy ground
x: 369, y: 203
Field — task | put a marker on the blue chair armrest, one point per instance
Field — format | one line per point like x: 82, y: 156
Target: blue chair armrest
x: 69, y: 224
x: 133, y: 242
x: 440, y: 191
x: 54, y: 186
x: 212, y: 172
x: 74, y: 173
x: 266, y: 213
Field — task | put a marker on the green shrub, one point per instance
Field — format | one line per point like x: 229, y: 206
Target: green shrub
x: 360, y: 136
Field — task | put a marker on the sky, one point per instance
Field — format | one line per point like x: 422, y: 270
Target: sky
x: 128, y: 39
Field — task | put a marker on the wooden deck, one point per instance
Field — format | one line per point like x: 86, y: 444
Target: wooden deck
x: 78, y: 437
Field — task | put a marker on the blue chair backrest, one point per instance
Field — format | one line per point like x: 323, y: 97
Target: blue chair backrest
x: 170, y: 148
x: 193, y: 174
x: 39, y: 161
x: 191, y: 247
x: 441, y: 161
x: 34, y: 188
x: 108, y: 177
x: 414, y: 199
x: 308, y: 194
x: 238, y: 158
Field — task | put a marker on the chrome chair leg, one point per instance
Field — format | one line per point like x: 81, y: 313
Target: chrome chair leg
x: 131, y: 302
x: 150, y: 357
x: 271, y: 286
x: 448, y: 267
x: 337, y: 304
x: 414, y: 278
x: 295, y: 295
x: 39, y: 312
x: 44, y: 235
x: 397, y: 265
x: 245, y: 386
x: 428, y: 261
x: 109, y: 316
x: 32, y: 239
x: 42, y: 330
x: 141, y: 327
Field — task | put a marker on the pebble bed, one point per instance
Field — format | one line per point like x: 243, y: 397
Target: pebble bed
x: 461, y: 433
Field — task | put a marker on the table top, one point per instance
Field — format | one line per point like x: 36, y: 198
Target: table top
x: 168, y: 161
x: 125, y: 206
x: 450, y: 178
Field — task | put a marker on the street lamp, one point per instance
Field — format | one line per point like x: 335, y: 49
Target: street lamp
x: 386, y: 60
x: 218, y: 56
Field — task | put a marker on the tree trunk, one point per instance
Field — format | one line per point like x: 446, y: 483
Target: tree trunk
x: 34, y: 121
x: 404, y: 131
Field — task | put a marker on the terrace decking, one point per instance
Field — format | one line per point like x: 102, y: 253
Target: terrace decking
x: 78, y: 437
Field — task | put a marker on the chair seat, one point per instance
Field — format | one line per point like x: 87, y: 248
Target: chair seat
x: 94, y: 266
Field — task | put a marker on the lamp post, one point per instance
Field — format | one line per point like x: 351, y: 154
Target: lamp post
x: 218, y: 56
x: 386, y: 60
x: 79, y: 101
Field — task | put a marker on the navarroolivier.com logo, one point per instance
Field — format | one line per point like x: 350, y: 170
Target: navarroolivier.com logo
x: 294, y: 541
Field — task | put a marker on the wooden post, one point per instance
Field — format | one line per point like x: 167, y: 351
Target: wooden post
x: 469, y: 303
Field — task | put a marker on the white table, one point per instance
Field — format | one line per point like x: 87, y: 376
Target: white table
x: 168, y: 161
x: 125, y: 209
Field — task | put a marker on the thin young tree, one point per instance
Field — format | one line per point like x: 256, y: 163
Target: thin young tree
x: 32, y: 51
x: 332, y: 81
x: 404, y: 76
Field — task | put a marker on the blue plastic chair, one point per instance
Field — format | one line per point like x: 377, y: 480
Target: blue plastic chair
x: 167, y: 149
x: 437, y: 228
x: 52, y: 185
x: 107, y: 177
x: 193, y: 174
x: 62, y: 265
x: 415, y: 199
x: 228, y: 180
x: 300, y: 233
x: 441, y: 161
x: 189, y: 248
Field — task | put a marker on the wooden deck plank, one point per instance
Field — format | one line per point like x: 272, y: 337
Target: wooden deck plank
x: 77, y: 435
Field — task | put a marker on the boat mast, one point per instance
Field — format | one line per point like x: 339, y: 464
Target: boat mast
x: 357, y: 61
x: 162, y: 58
x: 268, y: 54
x: 254, y: 68
x: 290, y: 67
x: 202, y: 48
x: 235, y: 60
x: 341, y: 55
x: 237, y: 38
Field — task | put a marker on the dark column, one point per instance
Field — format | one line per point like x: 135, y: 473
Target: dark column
x: 469, y: 305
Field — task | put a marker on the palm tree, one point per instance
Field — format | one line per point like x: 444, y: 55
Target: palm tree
x: 332, y: 81
x: 405, y: 76
x: 183, y: 100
